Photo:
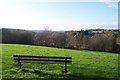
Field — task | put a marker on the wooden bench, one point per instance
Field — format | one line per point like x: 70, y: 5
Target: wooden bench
x: 42, y: 59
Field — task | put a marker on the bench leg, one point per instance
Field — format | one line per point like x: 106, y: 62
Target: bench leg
x: 65, y: 66
x: 20, y: 64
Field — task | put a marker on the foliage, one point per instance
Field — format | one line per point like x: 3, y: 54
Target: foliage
x: 99, y: 40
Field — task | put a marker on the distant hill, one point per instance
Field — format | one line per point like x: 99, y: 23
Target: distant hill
x: 92, y: 39
x: 17, y: 36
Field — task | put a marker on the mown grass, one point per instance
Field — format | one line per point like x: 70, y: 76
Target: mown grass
x: 85, y: 64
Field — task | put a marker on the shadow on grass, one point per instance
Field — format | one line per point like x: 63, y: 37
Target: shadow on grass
x: 52, y: 75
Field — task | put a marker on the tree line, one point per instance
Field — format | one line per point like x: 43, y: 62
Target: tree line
x: 98, y: 40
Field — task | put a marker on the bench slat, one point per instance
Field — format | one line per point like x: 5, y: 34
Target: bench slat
x: 45, y: 60
x: 39, y: 58
x: 62, y: 57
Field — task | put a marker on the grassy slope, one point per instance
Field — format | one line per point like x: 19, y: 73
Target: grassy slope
x: 86, y: 64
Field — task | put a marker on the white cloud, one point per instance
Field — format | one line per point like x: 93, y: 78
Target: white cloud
x: 109, y: 0
x: 113, y: 4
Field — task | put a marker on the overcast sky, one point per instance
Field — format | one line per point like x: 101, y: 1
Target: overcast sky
x: 59, y: 14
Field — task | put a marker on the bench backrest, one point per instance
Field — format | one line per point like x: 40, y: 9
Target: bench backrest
x: 42, y: 59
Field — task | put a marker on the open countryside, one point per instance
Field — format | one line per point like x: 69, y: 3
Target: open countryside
x: 59, y: 40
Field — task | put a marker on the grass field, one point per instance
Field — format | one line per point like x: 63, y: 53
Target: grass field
x: 86, y: 65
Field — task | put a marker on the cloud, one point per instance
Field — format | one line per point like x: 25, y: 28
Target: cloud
x: 109, y: 0
x: 113, y: 4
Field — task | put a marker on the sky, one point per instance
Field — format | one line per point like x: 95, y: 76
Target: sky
x: 59, y: 14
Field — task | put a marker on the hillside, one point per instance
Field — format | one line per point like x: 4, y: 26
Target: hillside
x: 87, y: 65
x: 96, y: 39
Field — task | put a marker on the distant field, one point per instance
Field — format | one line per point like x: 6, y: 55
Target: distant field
x: 86, y: 64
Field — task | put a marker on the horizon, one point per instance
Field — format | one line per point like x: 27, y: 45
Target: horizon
x: 59, y: 16
x: 60, y: 30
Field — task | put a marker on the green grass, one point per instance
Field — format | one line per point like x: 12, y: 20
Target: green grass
x: 85, y: 64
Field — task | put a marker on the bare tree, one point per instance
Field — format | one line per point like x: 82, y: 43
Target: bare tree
x: 103, y: 42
